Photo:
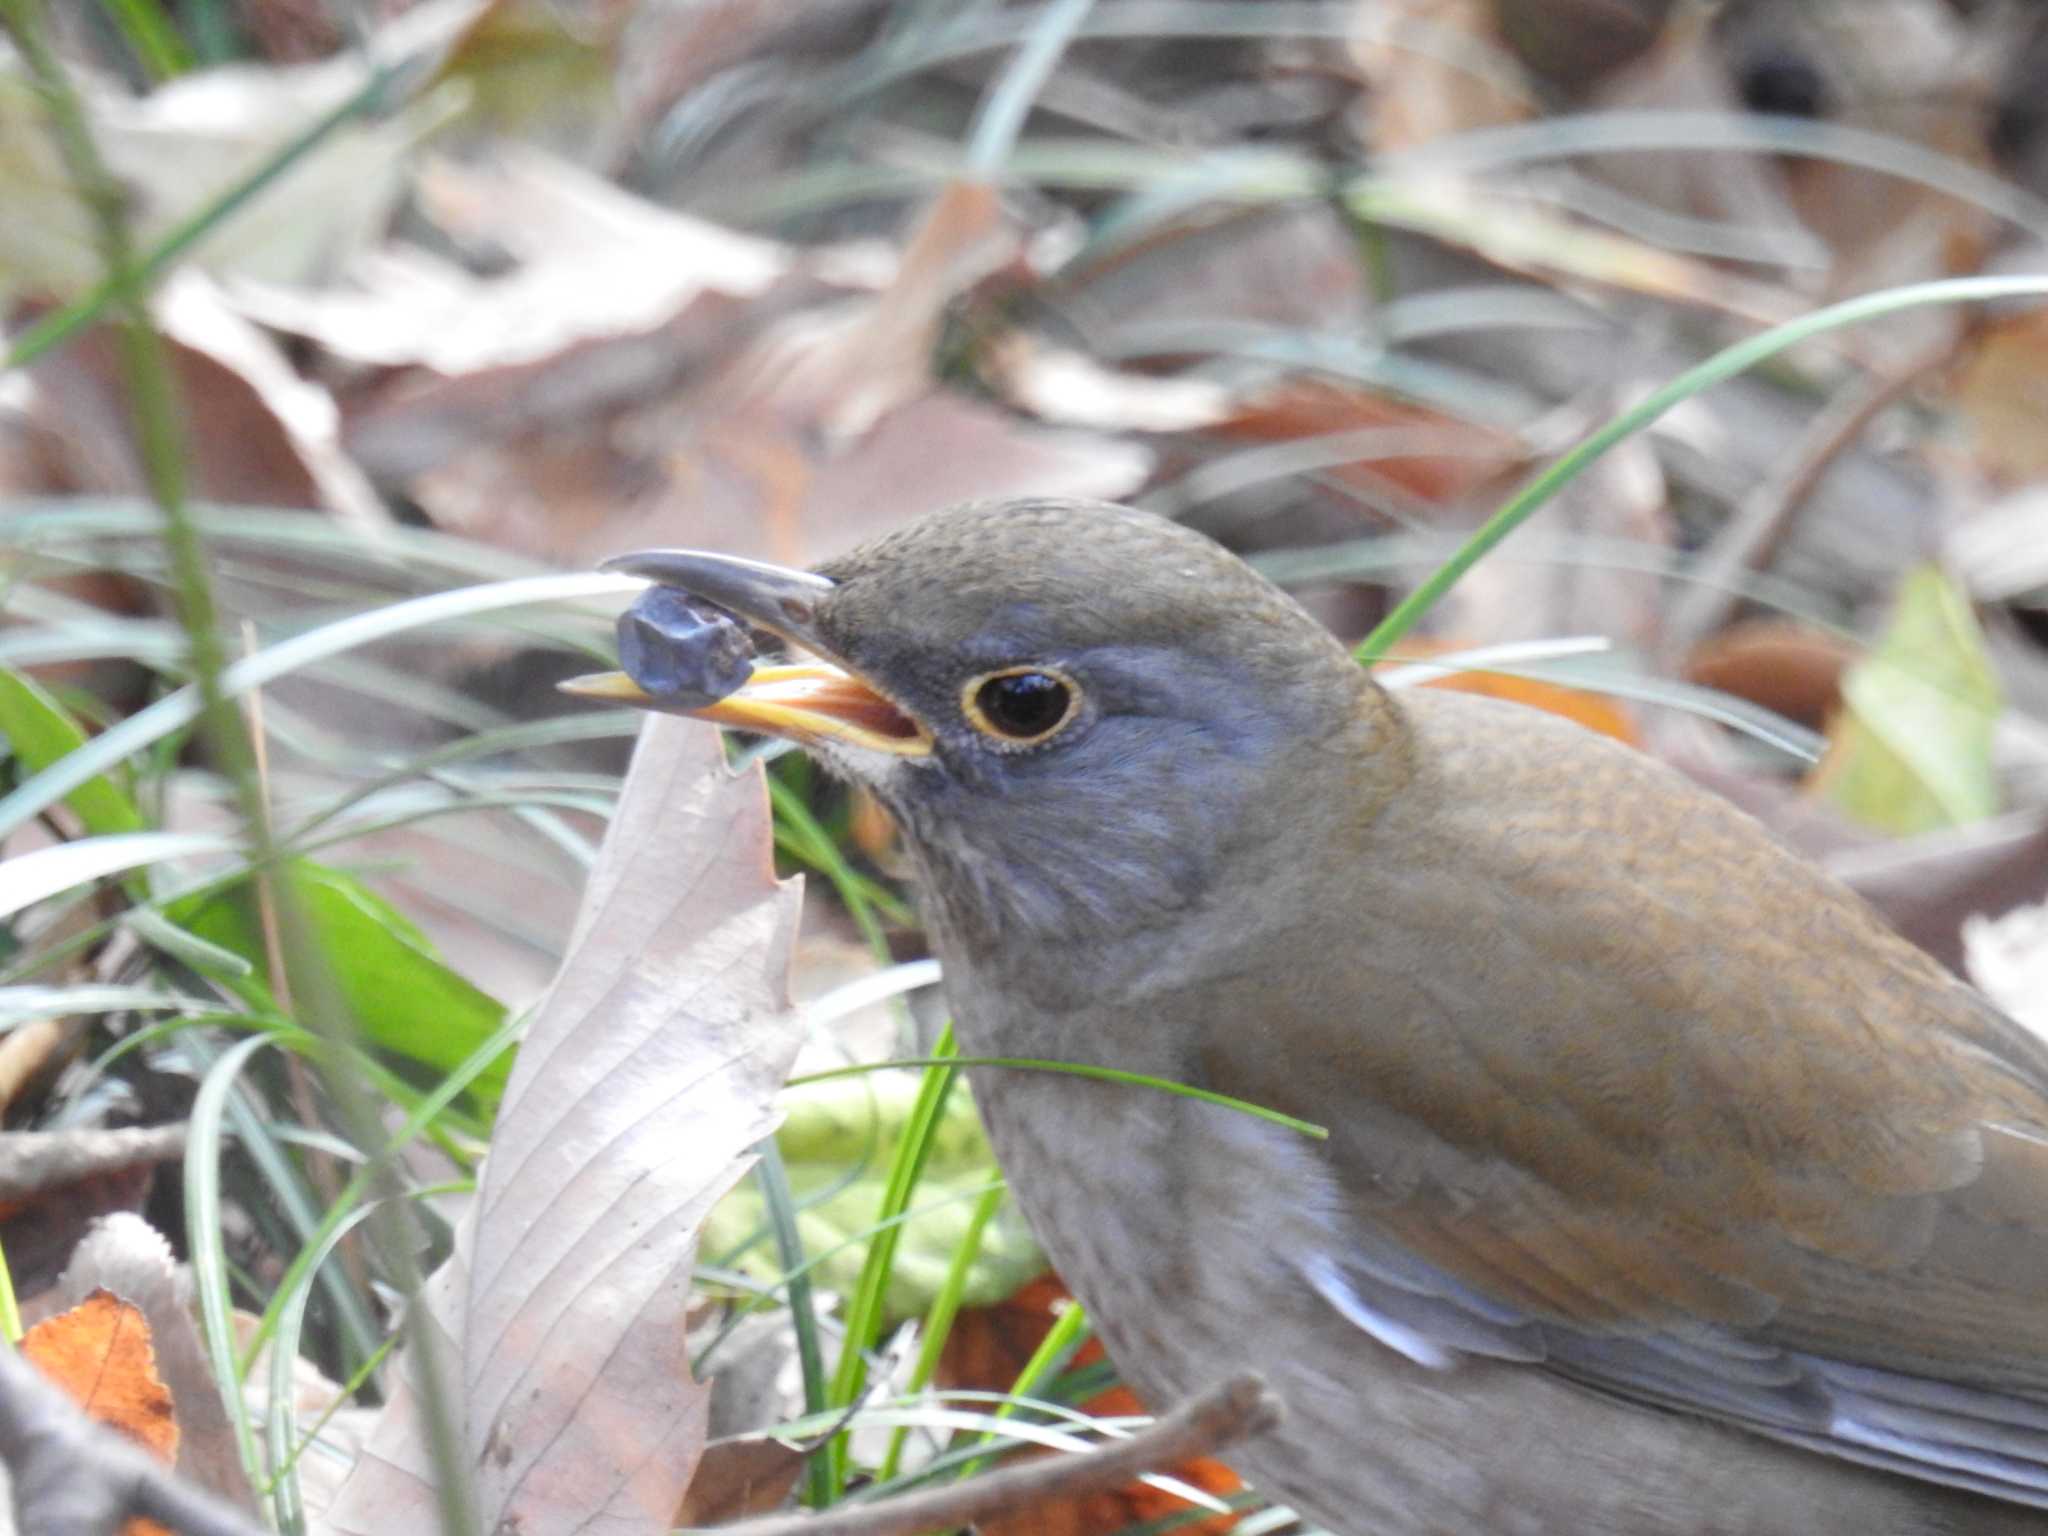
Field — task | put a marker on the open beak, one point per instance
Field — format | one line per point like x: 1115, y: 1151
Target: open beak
x: 813, y: 703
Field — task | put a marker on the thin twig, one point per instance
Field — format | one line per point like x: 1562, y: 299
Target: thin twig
x: 321, y: 1169
x: 1237, y: 1409
x: 32, y: 1163
x: 1752, y: 536
x: 74, y: 1477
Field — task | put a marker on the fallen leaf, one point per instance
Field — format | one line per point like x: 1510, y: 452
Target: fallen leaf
x: 126, y: 1255
x: 1911, y: 751
x: 1791, y: 668
x: 647, y: 1075
x: 186, y: 143
x: 255, y: 433
x: 1428, y: 453
x: 54, y: 1184
x: 1929, y: 887
x: 745, y: 1476
x: 99, y: 1353
x: 2002, y: 394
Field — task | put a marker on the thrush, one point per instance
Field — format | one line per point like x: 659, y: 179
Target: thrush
x: 1666, y: 1190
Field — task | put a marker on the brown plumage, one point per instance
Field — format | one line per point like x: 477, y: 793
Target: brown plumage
x: 1667, y: 1190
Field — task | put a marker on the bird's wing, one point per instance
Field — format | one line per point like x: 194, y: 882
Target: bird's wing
x: 1673, y: 1115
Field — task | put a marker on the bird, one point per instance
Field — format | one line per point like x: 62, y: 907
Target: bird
x: 1666, y: 1191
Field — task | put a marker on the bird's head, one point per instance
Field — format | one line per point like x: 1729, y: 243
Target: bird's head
x: 1072, y: 709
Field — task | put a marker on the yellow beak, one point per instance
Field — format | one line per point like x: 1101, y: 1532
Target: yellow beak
x: 811, y: 704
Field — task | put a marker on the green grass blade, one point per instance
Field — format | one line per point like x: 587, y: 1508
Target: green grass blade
x: 154, y: 39
x: 803, y: 1313
x: 1060, y: 1341
x: 938, y: 1321
x: 864, y: 1308
x: 203, y: 1239
x: 1723, y: 365
x: 175, y: 711
x: 1078, y: 1069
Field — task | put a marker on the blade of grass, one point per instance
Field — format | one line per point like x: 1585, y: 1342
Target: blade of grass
x: 203, y: 1239
x: 938, y: 1319
x: 1058, y: 1345
x: 154, y: 39
x: 280, y: 1428
x: 1509, y: 146
x: 864, y: 1308
x: 789, y: 1246
x: 798, y: 834
x: 320, y: 1237
x: 1076, y: 1069
x: 1008, y: 102
x: 1723, y: 365
x: 177, y: 710
x: 10, y: 1309
x: 80, y: 529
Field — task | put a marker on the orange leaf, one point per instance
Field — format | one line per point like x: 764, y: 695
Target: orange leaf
x: 99, y: 1352
x: 1785, y: 666
x: 1596, y: 712
x: 986, y: 1349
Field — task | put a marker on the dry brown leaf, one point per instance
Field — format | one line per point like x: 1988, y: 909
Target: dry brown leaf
x: 255, y: 432
x: 1573, y: 43
x: 1914, y: 70
x: 1788, y: 667
x: 744, y: 1476
x: 1056, y: 384
x: 645, y: 1079
x: 2002, y: 392
x: 180, y: 146
x: 594, y: 261
x: 646, y: 378
x: 1929, y: 887
x: 99, y: 1353
x: 843, y: 372
x: 122, y: 1253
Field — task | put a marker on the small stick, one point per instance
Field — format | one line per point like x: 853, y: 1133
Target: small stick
x: 1240, y: 1407
x: 1752, y: 536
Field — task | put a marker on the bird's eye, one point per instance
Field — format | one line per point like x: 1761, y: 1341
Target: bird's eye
x: 1022, y: 706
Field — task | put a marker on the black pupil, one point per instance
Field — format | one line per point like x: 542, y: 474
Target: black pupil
x: 1023, y: 703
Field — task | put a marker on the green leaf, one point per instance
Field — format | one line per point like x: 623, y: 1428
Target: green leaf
x: 404, y: 998
x: 1911, y: 750
x: 829, y: 1128
x: 39, y: 731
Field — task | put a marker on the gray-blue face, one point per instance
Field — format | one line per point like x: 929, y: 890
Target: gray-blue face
x: 1106, y: 693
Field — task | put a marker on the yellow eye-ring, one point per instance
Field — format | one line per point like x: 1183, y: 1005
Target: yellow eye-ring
x: 1020, y: 706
